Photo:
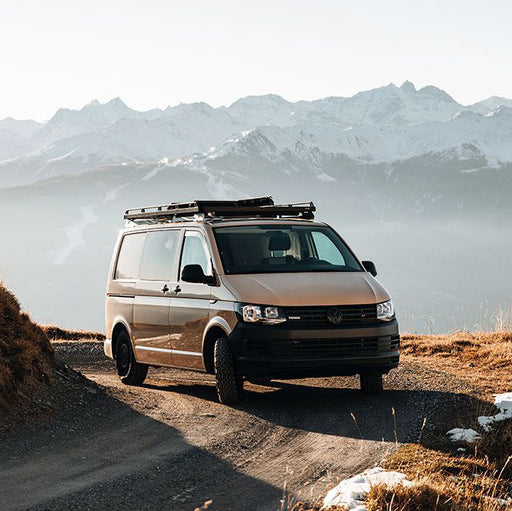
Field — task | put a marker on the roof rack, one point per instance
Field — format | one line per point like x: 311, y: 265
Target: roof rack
x: 261, y: 207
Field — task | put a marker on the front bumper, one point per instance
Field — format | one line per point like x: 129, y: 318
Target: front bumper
x: 284, y: 352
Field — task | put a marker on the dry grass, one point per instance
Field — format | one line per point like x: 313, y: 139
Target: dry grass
x: 26, y: 356
x: 446, y: 479
x: 443, y: 481
x: 496, y: 445
x: 483, y: 359
x: 55, y: 333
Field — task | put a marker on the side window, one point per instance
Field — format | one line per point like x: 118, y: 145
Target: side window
x: 195, y: 252
x: 128, y: 261
x: 159, y: 255
x: 326, y: 249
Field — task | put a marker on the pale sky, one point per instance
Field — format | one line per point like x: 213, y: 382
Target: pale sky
x: 154, y: 53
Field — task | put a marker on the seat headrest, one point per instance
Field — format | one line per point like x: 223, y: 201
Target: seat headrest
x: 280, y: 241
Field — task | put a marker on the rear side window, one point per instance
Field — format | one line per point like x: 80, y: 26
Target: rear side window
x: 159, y: 255
x: 128, y: 261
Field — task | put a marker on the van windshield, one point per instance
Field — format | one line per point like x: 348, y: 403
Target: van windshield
x: 283, y: 248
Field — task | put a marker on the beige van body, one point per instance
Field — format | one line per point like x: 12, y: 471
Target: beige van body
x: 327, y: 322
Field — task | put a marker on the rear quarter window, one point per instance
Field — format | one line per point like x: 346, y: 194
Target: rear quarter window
x: 130, y: 253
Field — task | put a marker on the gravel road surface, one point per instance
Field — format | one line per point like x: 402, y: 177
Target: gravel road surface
x: 169, y: 445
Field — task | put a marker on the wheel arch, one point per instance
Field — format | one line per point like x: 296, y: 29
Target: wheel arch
x: 119, y: 327
x: 217, y: 327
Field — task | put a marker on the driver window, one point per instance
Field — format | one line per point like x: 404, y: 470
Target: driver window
x: 326, y: 249
x: 195, y: 252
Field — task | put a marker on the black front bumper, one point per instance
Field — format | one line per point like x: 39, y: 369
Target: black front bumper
x: 284, y: 352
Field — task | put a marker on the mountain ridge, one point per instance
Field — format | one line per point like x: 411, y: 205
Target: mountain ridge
x: 388, y: 123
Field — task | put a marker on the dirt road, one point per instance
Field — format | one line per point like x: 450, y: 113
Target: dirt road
x: 169, y: 445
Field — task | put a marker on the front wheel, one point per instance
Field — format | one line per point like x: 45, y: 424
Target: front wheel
x: 229, y: 384
x: 371, y: 383
x: 130, y: 371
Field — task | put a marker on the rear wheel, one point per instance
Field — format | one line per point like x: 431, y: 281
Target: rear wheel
x: 371, y: 383
x: 229, y: 384
x: 130, y: 371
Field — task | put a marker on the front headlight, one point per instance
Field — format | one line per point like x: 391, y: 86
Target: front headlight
x: 262, y: 314
x: 385, y: 311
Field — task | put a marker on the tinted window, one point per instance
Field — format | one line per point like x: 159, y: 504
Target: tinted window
x: 128, y: 261
x: 159, y: 255
x: 194, y: 252
x: 275, y: 248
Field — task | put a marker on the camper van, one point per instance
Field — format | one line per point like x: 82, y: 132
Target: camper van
x: 245, y: 290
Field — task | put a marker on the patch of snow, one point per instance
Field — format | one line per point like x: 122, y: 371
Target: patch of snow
x: 463, y: 435
x: 112, y: 194
x: 352, y: 492
x: 326, y: 178
x: 152, y: 173
x: 64, y: 156
x: 74, y: 234
x: 504, y: 404
x: 502, y: 502
x: 470, y: 171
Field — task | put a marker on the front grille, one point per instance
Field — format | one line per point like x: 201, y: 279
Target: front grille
x: 351, y: 315
x: 320, y: 348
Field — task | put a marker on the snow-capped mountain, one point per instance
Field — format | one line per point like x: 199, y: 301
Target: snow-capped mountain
x: 381, y: 125
x: 14, y: 132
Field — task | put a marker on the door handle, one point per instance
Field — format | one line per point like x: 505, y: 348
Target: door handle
x: 177, y: 289
x: 165, y: 289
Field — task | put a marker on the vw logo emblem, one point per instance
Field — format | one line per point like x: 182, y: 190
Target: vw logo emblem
x: 335, y: 316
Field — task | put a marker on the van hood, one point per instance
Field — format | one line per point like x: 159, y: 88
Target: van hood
x: 298, y: 289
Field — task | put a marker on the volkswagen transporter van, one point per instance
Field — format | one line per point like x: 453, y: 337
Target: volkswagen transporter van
x: 245, y: 290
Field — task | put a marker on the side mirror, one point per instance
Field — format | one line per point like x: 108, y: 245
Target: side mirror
x: 370, y: 267
x: 194, y: 273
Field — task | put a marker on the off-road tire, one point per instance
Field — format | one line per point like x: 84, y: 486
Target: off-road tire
x: 229, y: 384
x: 129, y: 370
x: 371, y: 383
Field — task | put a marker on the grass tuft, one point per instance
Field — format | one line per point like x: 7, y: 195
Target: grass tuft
x: 55, y: 333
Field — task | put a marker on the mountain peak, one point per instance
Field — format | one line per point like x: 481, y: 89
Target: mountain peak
x: 268, y: 99
x: 408, y: 86
x: 117, y: 102
x: 435, y: 92
x: 114, y: 103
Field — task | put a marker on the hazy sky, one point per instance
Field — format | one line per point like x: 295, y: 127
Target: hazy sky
x: 153, y: 53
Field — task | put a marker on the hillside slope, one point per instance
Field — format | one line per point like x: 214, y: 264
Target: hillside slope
x: 26, y: 356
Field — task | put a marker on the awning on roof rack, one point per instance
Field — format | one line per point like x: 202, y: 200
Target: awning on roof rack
x: 256, y: 207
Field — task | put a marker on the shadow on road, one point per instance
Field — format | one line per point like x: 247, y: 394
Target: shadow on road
x: 99, y: 453
x: 394, y: 415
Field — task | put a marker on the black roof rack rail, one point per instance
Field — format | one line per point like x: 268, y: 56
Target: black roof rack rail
x: 263, y: 207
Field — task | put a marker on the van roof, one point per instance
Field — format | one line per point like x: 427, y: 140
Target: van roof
x: 220, y: 210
